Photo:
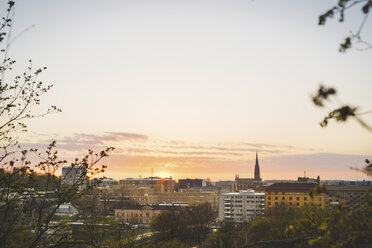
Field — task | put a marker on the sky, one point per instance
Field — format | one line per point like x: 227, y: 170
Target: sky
x: 194, y: 88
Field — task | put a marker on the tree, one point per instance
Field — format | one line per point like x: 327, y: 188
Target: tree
x: 31, y: 193
x: 345, y: 112
x: 187, y: 224
x: 339, y: 10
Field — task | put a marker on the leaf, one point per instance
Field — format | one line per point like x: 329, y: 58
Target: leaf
x: 365, y: 8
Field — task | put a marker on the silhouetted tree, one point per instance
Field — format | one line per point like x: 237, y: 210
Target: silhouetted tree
x: 28, y: 201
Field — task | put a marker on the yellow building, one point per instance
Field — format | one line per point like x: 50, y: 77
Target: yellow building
x: 292, y: 194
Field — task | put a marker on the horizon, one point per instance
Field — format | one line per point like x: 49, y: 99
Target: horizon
x: 195, y: 88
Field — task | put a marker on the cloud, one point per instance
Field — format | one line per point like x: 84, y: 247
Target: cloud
x: 326, y: 165
x: 118, y: 136
x: 137, y: 153
x: 80, y: 142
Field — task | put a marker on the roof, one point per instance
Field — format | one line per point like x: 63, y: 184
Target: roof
x: 66, y: 208
x: 243, y: 192
x: 152, y: 207
x: 348, y: 187
x: 147, y: 179
x: 291, y: 187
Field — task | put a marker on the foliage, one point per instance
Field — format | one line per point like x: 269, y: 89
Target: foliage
x: 30, y: 194
x: 173, y: 243
x: 187, y: 224
x: 339, y: 10
x: 345, y: 112
x: 341, y: 114
x: 309, y: 225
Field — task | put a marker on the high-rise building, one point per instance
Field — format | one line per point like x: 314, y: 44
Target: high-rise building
x: 242, y: 206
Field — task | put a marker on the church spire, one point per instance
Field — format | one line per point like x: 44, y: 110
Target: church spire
x: 257, y: 169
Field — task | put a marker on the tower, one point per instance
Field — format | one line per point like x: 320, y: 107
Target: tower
x: 257, y: 170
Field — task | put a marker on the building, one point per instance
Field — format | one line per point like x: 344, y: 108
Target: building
x: 66, y: 209
x: 293, y: 194
x: 242, y: 206
x: 74, y: 175
x: 104, y: 182
x: 191, y: 197
x: 349, y: 196
x: 139, y: 214
x: 157, y: 183
x: 306, y: 179
x: 228, y: 186
x: 249, y: 183
x: 191, y: 183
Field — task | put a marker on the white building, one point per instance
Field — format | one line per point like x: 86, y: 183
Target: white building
x: 242, y: 206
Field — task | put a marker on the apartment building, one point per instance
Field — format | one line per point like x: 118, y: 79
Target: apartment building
x: 293, y: 194
x: 350, y: 196
x: 242, y: 206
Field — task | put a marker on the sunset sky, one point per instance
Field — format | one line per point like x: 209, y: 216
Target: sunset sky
x: 194, y: 88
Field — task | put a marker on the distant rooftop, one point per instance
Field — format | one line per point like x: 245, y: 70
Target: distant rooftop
x: 297, y: 187
x: 243, y: 192
x: 146, y: 179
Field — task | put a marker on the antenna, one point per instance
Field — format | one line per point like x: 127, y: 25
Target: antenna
x: 152, y: 172
x: 304, y: 173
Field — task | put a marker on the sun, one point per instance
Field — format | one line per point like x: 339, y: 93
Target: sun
x: 163, y: 174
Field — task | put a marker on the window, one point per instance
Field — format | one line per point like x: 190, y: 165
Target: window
x: 276, y: 193
x: 305, y: 198
x: 297, y: 198
x: 298, y: 204
x: 283, y: 193
x: 290, y: 204
x: 290, y: 198
x: 269, y: 203
x: 269, y: 198
x: 276, y: 204
x: 276, y: 198
x: 283, y: 198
